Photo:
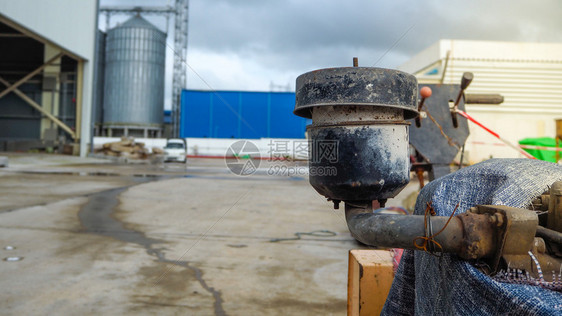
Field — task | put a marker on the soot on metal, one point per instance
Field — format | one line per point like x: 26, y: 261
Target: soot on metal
x: 359, y: 135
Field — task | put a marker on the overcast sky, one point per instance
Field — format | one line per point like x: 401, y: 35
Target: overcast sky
x: 249, y: 44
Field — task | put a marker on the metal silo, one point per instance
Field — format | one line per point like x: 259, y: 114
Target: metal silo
x: 134, y: 79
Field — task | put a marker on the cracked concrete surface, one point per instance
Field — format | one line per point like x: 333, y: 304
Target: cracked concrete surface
x: 119, y: 239
x: 97, y: 238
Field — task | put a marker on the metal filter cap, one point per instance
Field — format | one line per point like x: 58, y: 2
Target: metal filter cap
x: 356, y: 86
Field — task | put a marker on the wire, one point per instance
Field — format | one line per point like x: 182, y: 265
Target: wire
x: 428, y: 241
x: 449, y: 139
x: 394, y: 44
x: 212, y: 90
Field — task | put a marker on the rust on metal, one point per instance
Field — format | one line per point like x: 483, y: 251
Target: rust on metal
x: 419, y: 174
x: 515, y: 232
x: 479, y: 236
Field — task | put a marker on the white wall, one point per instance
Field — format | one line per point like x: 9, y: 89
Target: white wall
x: 217, y: 147
x: 70, y: 25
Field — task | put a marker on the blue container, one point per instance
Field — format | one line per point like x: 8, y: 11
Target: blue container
x: 240, y: 114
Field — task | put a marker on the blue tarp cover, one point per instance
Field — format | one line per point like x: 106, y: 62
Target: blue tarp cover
x: 427, y: 285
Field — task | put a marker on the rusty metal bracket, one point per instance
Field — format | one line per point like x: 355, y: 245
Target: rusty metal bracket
x: 479, y: 236
x: 516, y: 230
x: 38, y: 107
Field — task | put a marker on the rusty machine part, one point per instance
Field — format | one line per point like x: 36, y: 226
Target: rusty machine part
x: 435, y: 140
x: 438, y: 135
x: 359, y: 130
x: 465, y: 82
x: 497, y: 236
x: 485, y: 231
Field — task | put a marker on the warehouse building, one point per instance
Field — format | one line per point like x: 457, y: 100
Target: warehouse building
x: 240, y: 114
x: 47, y: 73
x: 528, y: 75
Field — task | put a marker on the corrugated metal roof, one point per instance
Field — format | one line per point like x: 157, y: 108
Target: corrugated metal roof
x: 138, y: 22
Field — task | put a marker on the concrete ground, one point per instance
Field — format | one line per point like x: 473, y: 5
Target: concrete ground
x: 97, y: 237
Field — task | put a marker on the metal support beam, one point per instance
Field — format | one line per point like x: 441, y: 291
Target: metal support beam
x: 38, y: 107
x: 179, y: 80
x: 12, y: 35
x: 134, y: 9
x: 29, y: 76
x: 445, y: 67
x: 108, y: 11
x: 107, y: 18
x: 79, y: 97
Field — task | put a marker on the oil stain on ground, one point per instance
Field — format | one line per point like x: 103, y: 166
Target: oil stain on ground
x: 96, y: 217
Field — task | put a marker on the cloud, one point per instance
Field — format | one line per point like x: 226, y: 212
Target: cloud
x: 304, y: 34
x: 249, y: 44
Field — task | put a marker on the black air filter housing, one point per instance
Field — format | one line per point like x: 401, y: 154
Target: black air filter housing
x: 358, y: 137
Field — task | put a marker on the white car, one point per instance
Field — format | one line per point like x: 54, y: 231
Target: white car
x: 175, y: 150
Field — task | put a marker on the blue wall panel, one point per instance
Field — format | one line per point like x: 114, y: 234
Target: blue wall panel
x: 240, y: 114
x: 198, y: 117
x: 224, y: 115
x: 253, y: 110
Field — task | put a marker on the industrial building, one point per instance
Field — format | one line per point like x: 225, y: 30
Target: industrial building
x: 47, y: 73
x: 527, y: 75
x: 62, y: 80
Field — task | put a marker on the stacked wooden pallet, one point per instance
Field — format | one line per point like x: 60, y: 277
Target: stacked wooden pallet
x: 128, y: 148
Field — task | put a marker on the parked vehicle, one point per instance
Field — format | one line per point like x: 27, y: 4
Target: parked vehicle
x: 175, y: 150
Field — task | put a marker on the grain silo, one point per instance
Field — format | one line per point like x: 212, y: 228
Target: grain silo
x: 134, y: 79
